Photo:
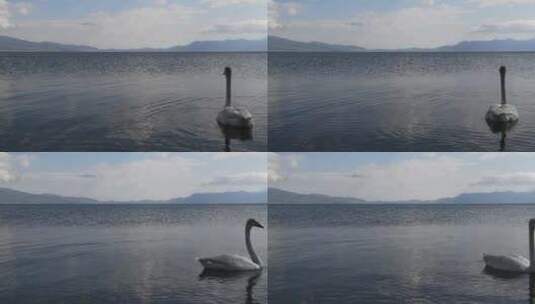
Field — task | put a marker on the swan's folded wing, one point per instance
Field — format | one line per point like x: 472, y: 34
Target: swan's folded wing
x: 512, y: 263
x: 245, y: 114
x: 228, y: 263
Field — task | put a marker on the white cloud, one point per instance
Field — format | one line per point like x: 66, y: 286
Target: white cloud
x: 157, y: 177
x: 239, y: 155
x: 508, y: 27
x: 424, y: 25
x: 8, y: 168
x: 274, y: 168
x: 516, y: 179
x: 282, y: 165
x: 151, y: 26
x: 161, y: 23
x: 253, y: 26
x: 23, y: 8
x: 277, y: 10
x: 4, y: 15
x: 240, y: 179
x: 489, y: 3
x: 223, y: 3
x: 154, y: 176
x: 425, y: 178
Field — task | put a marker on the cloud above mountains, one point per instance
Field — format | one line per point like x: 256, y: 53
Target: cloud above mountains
x: 402, y: 176
x: 128, y: 24
x: 132, y: 176
x: 397, y: 24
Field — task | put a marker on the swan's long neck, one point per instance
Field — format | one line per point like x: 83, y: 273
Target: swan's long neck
x: 531, y: 243
x: 229, y: 91
x: 502, y: 85
x: 250, y: 250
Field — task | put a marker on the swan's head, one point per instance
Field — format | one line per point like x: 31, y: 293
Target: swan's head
x: 227, y: 72
x: 503, y: 69
x: 254, y: 223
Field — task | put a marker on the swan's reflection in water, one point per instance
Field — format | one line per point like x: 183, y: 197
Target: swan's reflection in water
x: 225, y: 277
x: 531, y: 288
x: 505, y: 275
x: 501, y: 128
x: 229, y: 134
x: 502, y: 274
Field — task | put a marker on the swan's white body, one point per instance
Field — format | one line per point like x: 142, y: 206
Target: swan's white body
x: 513, y: 263
x: 502, y: 113
x: 508, y: 263
x: 235, y: 117
x: 228, y: 262
x: 230, y: 116
x: 236, y: 263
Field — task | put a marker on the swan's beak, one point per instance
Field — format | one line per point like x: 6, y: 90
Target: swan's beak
x: 259, y: 225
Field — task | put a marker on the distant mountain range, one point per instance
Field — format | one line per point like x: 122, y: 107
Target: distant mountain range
x: 273, y: 195
x: 274, y: 43
x: 277, y: 44
x: 505, y: 45
x: 9, y: 196
x: 239, y: 45
x: 14, y: 44
x: 286, y: 197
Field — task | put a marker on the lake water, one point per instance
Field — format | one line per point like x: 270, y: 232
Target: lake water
x: 125, y: 254
x: 127, y: 101
x: 395, y: 254
x: 396, y: 101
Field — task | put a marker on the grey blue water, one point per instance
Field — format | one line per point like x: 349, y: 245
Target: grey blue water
x: 395, y: 254
x: 128, y: 101
x: 396, y: 101
x: 126, y: 254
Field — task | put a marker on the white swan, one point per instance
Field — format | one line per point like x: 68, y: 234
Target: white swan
x: 233, y: 263
x: 502, y: 113
x: 231, y: 116
x: 513, y: 263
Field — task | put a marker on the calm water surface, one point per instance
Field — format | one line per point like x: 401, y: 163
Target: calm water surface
x: 395, y: 254
x: 127, y: 101
x: 125, y: 254
x: 396, y: 101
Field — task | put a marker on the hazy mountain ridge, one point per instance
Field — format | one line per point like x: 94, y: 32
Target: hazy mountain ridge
x: 279, y: 44
x: 498, y: 45
x: 9, y: 196
x: 507, y: 197
x: 14, y: 44
x: 274, y: 44
x: 503, y: 45
x: 287, y: 197
x: 237, y: 45
x: 281, y: 196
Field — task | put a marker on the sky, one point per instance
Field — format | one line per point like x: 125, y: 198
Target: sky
x: 370, y: 176
x: 132, y: 23
x: 132, y: 176
x: 401, y: 176
x: 393, y: 24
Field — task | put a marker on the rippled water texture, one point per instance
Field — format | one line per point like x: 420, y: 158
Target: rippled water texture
x: 125, y: 254
x: 127, y: 101
x: 396, y: 101
x: 395, y: 254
